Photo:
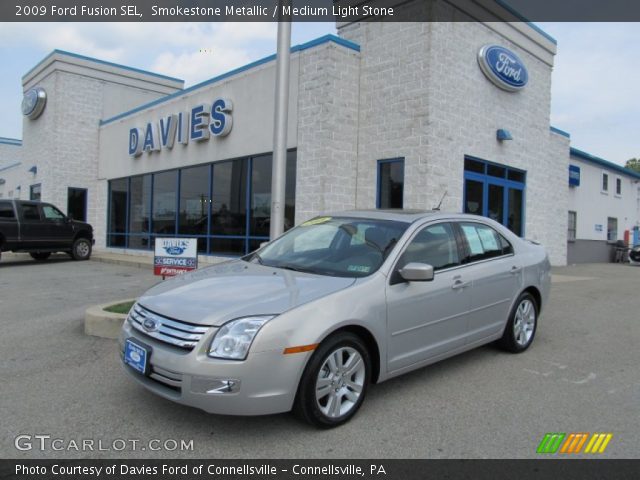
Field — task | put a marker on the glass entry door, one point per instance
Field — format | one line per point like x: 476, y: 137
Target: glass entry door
x: 496, y: 192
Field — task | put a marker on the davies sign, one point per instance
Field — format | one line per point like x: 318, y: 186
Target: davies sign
x: 503, y: 67
x: 197, y: 125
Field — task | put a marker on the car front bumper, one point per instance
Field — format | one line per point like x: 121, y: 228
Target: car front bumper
x: 264, y: 383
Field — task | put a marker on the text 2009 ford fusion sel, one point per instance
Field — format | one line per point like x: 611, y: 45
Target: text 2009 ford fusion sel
x: 310, y: 320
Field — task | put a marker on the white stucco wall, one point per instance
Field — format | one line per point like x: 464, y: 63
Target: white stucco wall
x: 327, y: 131
x: 593, y: 206
x: 11, y: 168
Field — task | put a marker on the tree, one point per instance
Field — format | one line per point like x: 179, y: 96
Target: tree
x: 633, y: 164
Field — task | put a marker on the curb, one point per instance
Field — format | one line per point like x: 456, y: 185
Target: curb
x: 144, y: 262
x: 99, y: 323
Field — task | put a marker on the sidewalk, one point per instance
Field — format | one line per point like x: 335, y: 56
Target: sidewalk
x: 140, y: 261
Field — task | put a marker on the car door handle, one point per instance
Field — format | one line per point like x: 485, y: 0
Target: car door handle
x: 515, y: 270
x: 459, y: 284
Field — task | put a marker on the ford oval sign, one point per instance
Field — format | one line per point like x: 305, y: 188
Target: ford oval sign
x: 503, y: 67
x: 174, y: 250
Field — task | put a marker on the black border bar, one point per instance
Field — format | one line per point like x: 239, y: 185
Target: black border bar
x: 565, y: 469
x: 319, y: 10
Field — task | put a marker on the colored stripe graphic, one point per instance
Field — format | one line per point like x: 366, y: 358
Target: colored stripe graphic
x: 598, y: 443
x: 551, y: 442
x: 574, y: 442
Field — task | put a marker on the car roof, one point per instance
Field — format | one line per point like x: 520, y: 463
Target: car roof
x: 404, y: 215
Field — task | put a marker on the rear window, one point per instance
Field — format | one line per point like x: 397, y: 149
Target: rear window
x: 6, y: 210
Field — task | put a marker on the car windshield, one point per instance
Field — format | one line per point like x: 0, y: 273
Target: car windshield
x: 335, y: 246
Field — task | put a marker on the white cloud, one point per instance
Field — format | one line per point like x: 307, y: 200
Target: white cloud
x: 595, y: 93
x: 193, y: 51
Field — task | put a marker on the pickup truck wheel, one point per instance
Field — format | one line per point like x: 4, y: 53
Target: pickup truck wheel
x: 81, y: 249
x: 39, y: 256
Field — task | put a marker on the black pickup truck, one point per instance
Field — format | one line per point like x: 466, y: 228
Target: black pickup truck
x: 40, y: 229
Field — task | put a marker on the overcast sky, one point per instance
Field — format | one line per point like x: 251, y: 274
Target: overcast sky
x: 596, y: 79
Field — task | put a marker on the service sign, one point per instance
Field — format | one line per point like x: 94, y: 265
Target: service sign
x: 503, y: 67
x: 175, y: 256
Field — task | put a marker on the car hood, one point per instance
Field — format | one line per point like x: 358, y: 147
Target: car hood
x: 216, y: 294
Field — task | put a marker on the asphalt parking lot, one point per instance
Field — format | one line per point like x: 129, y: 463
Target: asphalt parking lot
x: 582, y: 374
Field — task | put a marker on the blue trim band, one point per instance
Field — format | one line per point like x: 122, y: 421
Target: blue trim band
x: 517, y: 14
x: 102, y: 62
x: 603, y: 163
x: 297, y: 48
x: 559, y: 132
x: 10, y: 166
x: 11, y: 141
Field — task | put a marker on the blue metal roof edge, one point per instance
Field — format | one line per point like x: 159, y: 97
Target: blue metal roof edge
x: 517, y: 14
x: 102, y: 62
x: 10, y: 166
x: 297, y: 48
x: 603, y: 163
x: 11, y: 141
x: 559, y: 132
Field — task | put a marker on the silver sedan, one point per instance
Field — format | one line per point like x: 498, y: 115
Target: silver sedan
x: 309, y: 321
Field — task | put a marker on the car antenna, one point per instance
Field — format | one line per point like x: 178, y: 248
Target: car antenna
x: 437, y: 209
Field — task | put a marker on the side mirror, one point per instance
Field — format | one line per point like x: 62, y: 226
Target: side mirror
x: 417, y: 272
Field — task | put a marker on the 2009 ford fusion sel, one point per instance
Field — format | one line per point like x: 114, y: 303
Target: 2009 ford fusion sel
x: 312, y: 319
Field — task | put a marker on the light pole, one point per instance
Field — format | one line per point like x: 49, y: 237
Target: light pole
x: 279, y: 168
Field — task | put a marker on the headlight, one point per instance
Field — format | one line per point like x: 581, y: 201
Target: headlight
x: 234, y: 338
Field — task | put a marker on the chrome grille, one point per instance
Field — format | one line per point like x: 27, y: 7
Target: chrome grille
x: 182, y: 334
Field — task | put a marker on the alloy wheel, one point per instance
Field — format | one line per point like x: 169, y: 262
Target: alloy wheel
x: 340, y: 382
x: 525, y: 322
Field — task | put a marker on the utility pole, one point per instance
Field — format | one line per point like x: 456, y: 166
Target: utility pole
x: 279, y: 168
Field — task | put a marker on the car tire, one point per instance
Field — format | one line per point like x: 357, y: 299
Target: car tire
x: 81, y: 249
x: 40, y: 256
x: 522, y: 325
x: 328, y: 391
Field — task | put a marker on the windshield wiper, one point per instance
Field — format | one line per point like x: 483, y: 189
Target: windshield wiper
x: 294, y: 268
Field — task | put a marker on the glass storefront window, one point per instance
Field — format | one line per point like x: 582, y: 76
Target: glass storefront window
x: 229, y: 198
x: 260, y: 215
x: 117, y: 213
x: 495, y: 191
x: 193, y: 211
x: 164, y: 202
x: 139, y: 204
x: 225, y: 205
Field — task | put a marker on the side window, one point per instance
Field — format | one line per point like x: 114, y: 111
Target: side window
x: 484, y: 242
x: 6, y: 210
x: 30, y: 212
x: 435, y: 245
x: 52, y: 213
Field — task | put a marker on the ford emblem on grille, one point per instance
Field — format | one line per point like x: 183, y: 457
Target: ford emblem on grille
x: 150, y: 325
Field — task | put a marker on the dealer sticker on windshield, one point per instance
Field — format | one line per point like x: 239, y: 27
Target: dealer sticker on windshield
x: 359, y: 268
x: 316, y: 221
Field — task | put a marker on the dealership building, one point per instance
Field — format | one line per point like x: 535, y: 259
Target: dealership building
x: 383, y: 115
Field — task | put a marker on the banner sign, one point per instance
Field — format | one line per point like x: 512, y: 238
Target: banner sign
x: 574, y: 176
x: 175, y: 256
